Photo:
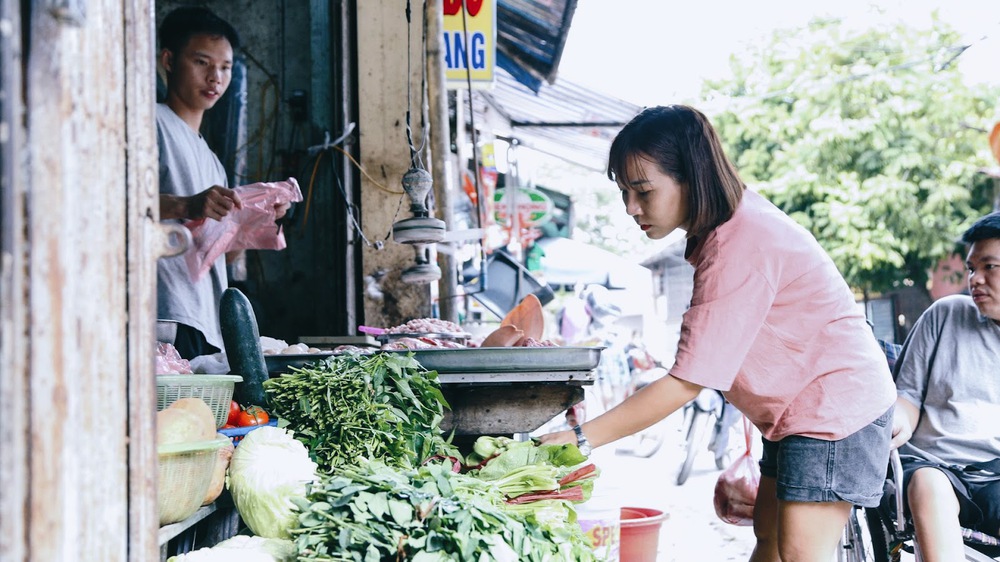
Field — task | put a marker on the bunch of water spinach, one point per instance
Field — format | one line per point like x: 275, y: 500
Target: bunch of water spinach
x: 379, y: 406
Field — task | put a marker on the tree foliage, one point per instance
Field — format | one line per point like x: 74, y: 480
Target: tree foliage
x: 868, y: 138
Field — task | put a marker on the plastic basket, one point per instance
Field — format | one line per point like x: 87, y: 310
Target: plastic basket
x: 185, y: 471
x: 215, y: 390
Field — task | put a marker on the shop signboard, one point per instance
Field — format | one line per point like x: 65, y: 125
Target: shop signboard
x: 469, y: 43
x: 534, y: 208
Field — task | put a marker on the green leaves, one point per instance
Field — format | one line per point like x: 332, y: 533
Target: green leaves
x: 383, y: 406
x: 377, y: 512
x: 867, y: 138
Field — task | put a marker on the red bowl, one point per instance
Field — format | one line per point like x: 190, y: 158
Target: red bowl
x: 640, y: 533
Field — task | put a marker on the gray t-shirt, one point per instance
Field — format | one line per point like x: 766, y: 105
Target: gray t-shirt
x: 950, y: 369
x: 188, y: 166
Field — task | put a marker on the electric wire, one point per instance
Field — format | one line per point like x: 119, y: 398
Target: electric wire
x: 480, y: 218
x: 351, y: 209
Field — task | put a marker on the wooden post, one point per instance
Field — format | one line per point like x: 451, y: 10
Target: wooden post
x: 440, y: 135
x: 76, y: 278
x: 389, y: 81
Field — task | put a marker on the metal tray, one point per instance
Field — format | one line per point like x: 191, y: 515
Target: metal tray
x: 389, y: 337
x: 507, y: 359
x: 279, y: 364
x: 521, y: 377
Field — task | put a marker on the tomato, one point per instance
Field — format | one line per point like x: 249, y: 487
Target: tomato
x: 228, y: 426
x: 254, y: 415
x: 234, y: 412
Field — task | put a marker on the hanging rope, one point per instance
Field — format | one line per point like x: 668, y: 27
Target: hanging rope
x: 415, y: 152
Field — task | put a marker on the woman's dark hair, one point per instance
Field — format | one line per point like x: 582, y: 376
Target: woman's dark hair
x: 682, y: 143
x: 180, y: 25
x: 985, y: 228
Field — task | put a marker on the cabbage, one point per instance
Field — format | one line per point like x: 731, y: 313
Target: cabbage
x: 268, y: 468
x: 244, y: 549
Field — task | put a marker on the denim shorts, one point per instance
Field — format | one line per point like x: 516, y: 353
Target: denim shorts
x: 852, y: 469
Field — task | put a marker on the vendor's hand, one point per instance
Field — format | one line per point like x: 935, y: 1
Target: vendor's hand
x: 901, y: 429
x: 905, y: 417
x: 213, y: 203
x: 280, y: 209
x: 559, y: 438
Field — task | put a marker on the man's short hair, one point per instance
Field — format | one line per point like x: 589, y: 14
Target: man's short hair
x: 180, y: 25
x: 983, y: 229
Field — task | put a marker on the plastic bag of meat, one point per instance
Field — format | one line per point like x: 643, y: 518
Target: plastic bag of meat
x: 169, y: 361
x: 250, y: 228
x: 736, y: 488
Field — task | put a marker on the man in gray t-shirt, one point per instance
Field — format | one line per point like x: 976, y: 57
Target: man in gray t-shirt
x: 948, y: 406
x: 197, y: 55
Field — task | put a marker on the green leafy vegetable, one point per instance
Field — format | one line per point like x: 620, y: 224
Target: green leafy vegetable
x: 380, y: 406
x: 375, y: 512
x: 540, y: 483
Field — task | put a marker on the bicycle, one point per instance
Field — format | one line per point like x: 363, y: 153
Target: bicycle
x: 856, y: 544
x: 647, y: 442
x: 708, y: 408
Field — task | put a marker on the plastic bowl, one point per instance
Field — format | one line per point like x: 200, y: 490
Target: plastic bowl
x: 640, y: 533
x: 185, y: 472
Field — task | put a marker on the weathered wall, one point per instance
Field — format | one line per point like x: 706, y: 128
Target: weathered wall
x: 76, y: 338
x: 389, y: 84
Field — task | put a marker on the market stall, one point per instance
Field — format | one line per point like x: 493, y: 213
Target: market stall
x: 374, y: 421
x: 413, y: 393
x: 490, y: 391
x: 502, y: 390
x: 509, y: 390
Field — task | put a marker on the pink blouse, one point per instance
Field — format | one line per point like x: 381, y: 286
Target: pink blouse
x: 774, y: 326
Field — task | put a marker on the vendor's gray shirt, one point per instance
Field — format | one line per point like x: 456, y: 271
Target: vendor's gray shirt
x: 188, y: 166
x: 950, y: 369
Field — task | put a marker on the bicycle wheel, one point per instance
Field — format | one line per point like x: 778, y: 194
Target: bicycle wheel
x: 650, y: 441
x: 856, y: 544
x: 695, y: 432
x: 881, y: 536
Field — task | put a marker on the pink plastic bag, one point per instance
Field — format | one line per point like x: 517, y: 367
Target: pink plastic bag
x: 736, y: 488
x: 169, y: 361
x: 249, y: 228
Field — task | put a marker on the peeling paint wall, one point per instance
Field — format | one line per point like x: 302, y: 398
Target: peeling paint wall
x: 389, y: 84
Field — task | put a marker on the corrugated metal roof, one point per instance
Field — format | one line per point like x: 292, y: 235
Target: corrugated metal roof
x: 528, y: 104
x: 562, y: 119
x: 531, y: 35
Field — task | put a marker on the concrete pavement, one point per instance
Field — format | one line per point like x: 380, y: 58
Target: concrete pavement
x: 692, y: 531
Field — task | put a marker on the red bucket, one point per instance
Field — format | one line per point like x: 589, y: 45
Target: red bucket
x: 640, y: 533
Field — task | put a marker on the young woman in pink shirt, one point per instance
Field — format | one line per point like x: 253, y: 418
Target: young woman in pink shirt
x: 772, y: 324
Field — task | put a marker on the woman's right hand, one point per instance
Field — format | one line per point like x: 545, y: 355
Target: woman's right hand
x: 559, y: 438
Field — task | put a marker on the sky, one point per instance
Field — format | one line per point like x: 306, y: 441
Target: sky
x: 652, y: 52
